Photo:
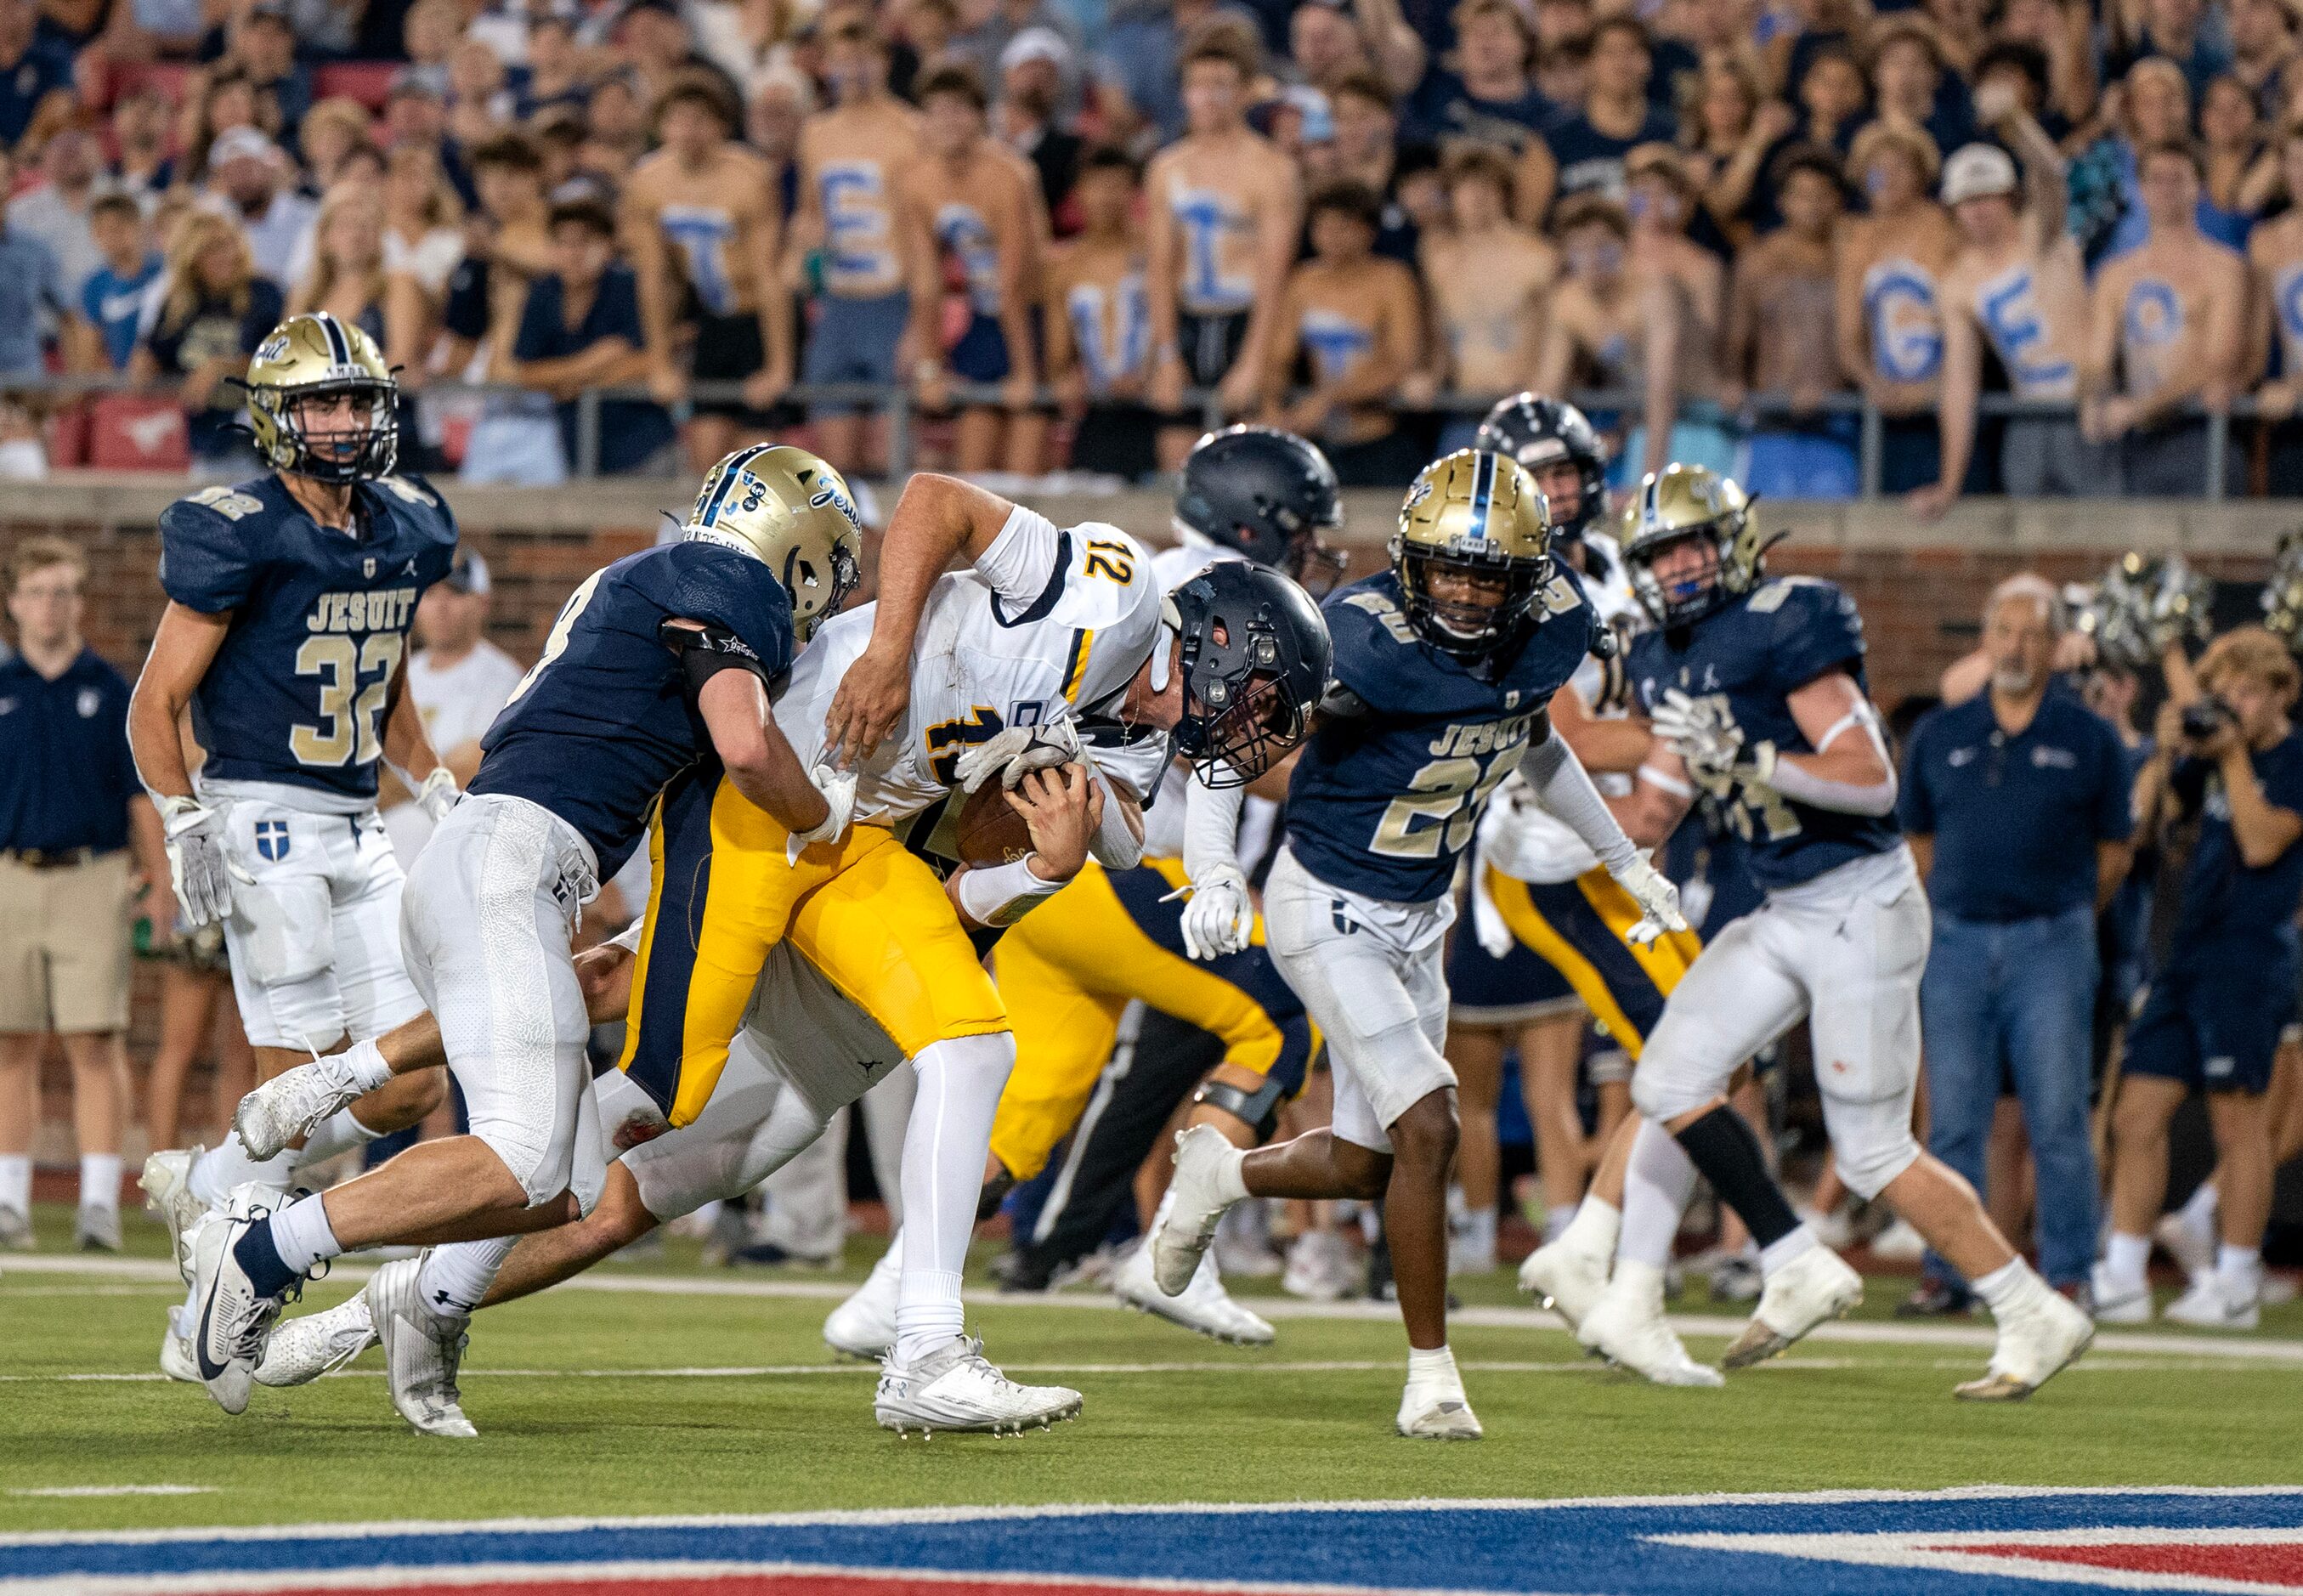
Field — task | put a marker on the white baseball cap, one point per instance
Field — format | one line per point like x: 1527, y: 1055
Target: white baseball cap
x: 1976, y: 171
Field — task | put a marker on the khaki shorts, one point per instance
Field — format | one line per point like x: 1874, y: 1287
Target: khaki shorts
x: 64, y: 946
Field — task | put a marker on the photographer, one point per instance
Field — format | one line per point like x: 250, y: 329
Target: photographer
x: 2211, y: 1016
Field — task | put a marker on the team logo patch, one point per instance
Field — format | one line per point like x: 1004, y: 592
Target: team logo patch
x: 272, y: 840
x: 1989, y: 1540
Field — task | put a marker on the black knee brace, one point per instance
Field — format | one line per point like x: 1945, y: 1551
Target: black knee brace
x: 1259, y: 1110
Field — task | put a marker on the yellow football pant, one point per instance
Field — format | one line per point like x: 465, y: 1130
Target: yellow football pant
x: 1589, y: 946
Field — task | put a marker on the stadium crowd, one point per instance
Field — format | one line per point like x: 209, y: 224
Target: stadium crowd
x: 1080, y: 228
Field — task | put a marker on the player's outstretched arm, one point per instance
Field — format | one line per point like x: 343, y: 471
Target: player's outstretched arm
x: 937, y: 519
x: 1564, y: 790
x: 758, y: 756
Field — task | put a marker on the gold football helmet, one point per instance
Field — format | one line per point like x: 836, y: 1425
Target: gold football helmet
x: 784, y: 506
x: 1672, y: 506
x: 309, y: 362
x: 1476, y: 522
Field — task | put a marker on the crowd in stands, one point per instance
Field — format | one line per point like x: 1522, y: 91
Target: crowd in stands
x: 1070, y: 225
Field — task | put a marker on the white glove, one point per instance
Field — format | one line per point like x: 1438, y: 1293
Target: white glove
x: 439, y: 794
x: 839, y: 789
x: 1701, y: 732
x: 1658, y: 899
x: 1018, y: 751
x: 1220, y: 919
x: 1488, y: 924
x: 200, y: 867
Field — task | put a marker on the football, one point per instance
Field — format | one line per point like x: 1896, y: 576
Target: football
x: 989, y: 831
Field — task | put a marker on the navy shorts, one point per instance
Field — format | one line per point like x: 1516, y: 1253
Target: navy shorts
x: 2213, y: 1022
x: 1483, y: 990
x: 854, y: 341
x: 981, y: 355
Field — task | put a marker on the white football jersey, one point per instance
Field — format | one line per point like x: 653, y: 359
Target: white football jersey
x: 1517, y: 835
x: 1047, y: 617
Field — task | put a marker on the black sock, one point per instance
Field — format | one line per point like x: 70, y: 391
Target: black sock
x: 260, y: 1260
x: 1722, y: 1145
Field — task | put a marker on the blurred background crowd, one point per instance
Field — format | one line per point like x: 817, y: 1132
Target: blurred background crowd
x: 2030, y: 246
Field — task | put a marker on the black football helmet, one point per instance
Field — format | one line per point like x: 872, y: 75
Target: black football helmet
x: 1255, y: 662
x: 1267, y: 495
x: 1539, y: 431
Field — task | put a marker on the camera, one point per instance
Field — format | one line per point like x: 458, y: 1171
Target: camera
x: 2209, y: 715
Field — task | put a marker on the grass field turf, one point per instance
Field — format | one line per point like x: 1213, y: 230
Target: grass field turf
x: 578, y: 1414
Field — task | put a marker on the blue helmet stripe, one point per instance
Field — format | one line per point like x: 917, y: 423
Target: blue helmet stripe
x: 1483, y: 492
x: 727, y: 480
x: 340, y: 349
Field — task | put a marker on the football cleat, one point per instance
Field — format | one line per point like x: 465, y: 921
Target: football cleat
x: 290, y: 1106
x: 230, y: 1319
x: 97, y: 1229
x: 1319, y: 1268
x: 2118, y: 1301
x: 2038, y: 1337
x: 1204, y: 1305
x: 16, y: 1231
x: 864, y: 1325
x: 1177, y: 1244
x: 422, y: 1351
x: 1811, y: 1288
x: 303, y: 1349
x: 1627, y: 1325
x: 1737, y: 1278
x: 955, y: 1389
x: 176, y: 1360
x: 167, y: 1183
x: 2215, y: 1302
x: 1437, y: 1413
x: 1566, y: 1279
x: 2190, y: 1247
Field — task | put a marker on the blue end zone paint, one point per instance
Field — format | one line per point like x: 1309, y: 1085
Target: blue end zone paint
x: 1504, y: 1548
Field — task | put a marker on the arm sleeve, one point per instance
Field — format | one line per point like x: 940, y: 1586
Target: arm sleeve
x: 1558, y: 781
x: 1212, y: 829
x: 204, y: 564
x: 1026, y: 556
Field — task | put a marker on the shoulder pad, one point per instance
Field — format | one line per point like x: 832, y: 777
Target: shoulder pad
x: 209, y: 545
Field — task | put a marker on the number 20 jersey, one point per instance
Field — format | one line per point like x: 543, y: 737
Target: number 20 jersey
x: 1763, y: 647
x: 1384, y: 802
x: 298, y: 692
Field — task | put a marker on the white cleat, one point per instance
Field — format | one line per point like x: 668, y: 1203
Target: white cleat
x: 290, y: 1105
x: 303, y: 1349
x: 422, y: 1351
x: 1565, y: 1279
x: 1814, y: 1287
x: 1177, y: 1244
x: 2037, y: 1339
x: 1320, y: 1268
x: 864, y: 1325
x: 230, y: 1319
x: 1204, y: 1305
x: 2119, y: 1302
x: 1627, y: 1324
x: 176, y: 1360
x: 2194, y: 1250
x: 1437, y: 1413
x: 2215, y: 1303
x: 167, y: 1183
x: 955, y: 1389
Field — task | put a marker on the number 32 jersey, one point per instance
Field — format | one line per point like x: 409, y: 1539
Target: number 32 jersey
x: 297, y: 693
x: 1752, y: 656
x: 1384, y: 801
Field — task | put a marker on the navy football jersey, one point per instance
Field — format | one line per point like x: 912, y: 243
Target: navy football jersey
x: 606, y: 720
x: 1753, y: 655
x: 1384, y: 801
x: 297, y: 691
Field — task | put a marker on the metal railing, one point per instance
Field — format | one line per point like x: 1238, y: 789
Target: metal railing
x: 899, y: 408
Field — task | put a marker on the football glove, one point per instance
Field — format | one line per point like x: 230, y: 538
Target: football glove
x: 200, y: 867
x: 1700, y: 731
x: 839, y: 789
x: 1219, y: 917
x: 1018, y: 751
x: 439, y: 794
x: 1658, y: 899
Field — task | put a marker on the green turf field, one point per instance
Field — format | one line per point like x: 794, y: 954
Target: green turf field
x: 658, y: 1387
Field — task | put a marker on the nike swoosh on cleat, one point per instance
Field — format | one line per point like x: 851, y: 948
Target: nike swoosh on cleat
x: 208, y: 1371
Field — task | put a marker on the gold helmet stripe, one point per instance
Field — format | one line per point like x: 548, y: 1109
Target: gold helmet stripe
x: 1483, y: 492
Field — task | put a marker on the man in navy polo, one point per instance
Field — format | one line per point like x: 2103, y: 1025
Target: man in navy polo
x: 2016, y: 803
x: 70, y: 806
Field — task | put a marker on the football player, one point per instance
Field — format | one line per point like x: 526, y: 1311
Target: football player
x: 1756, y: 691
x: 1444, y: 665
x: 654, y: 662
x: 290, y: 599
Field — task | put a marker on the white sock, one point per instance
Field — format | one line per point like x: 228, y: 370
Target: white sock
x: 1594, y: 1229
x: 1435, y: 1366
x: 226, y: 1166
x: 455, y: 1278
x: 2199, y: 1212
x: 1555, y: 1221
x: 302, y: 1235
x: 1657, y: 1181
x: 1231, y: 1176
x: 360, y: 1065
x: 16, y: 1182
x: 2125, y: 1257
x: 340, y: 1132
x: 99, y: 1180
x: 944, y: 1148
x: 1784, y: 1249
x: 2240, y: 1267
x: 2005, y: 1286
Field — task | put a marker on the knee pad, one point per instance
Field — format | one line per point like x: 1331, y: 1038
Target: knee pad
x: 1259, y: 1110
